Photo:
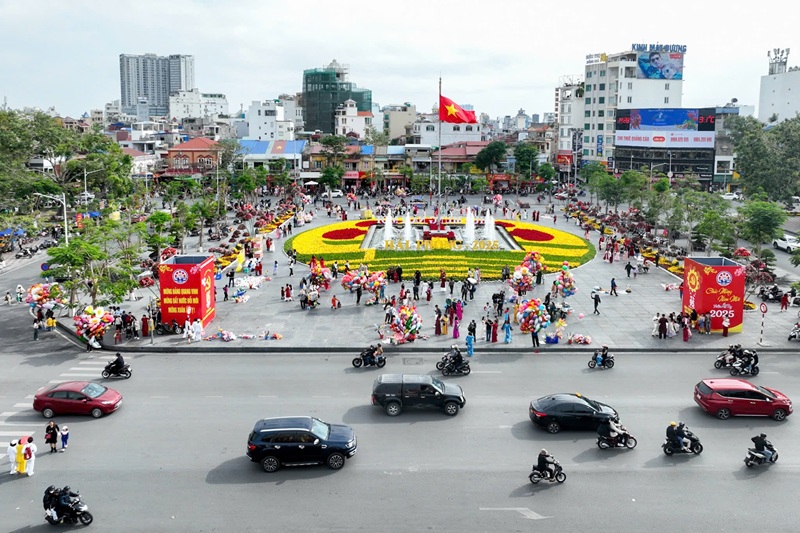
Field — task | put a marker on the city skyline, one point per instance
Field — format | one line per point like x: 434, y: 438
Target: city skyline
x: 486, y: 57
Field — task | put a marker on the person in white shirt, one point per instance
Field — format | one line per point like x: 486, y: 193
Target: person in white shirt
x: 29, y: 463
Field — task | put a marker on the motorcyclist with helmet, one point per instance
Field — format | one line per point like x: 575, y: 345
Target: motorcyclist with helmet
x: 50, y: 500
x: 602, y: 356
x: 64, y: 502
x: 117, y: 364
x: 546, y: 465
x: 455, y: 357
x: 611, y: 429
x: 680, y: 431
x: 762, y: 446
x: 672, y: 436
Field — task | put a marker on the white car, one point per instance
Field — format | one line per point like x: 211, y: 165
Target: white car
x: 731, y: 196
x: 336, y: 193
x: 787, y: 243
x: 85, y: 198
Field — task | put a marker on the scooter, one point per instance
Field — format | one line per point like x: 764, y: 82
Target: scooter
x: 598, y: 361
x: 625, y: 440
x: 447, y: 357
x: 124, y: 372
x: 726, y: 358
x: 171, y: 328
x: 739, y: 368
x: 694, y: 444
x: 23, y: 252
x: 754, y: 457
x: 364, y: 359
x: 558, y: 474
x: 795, y: 333
x: 463, y: 368
x: 770, y: 295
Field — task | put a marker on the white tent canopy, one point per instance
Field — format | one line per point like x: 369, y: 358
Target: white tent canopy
x: 311, y: 183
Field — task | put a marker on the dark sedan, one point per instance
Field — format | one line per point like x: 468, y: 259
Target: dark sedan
x: 569, y: 411
x: 76, y: 398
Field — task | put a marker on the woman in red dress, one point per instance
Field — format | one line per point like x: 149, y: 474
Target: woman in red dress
x: 442, y: 278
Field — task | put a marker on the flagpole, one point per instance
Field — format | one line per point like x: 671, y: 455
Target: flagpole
x: 440, y: 140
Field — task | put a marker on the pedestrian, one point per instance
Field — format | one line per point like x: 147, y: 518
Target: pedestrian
x: 456, y: 323
x: 680, y: 290
x: 12, y: 456
x: 495, y: 326
x: 658, y: 258
x: 488, y: 322
x: 145, y: 326
x: 231, y: 273
x: 359, y: 291
x: 687, y: 328
x: 784, y: 302
x: 51, y: 435
x: 655, y: 325
x: 225, y: 293
x: 628, y: 268
x: 708, y: 323
x: 726, y: 323
x: 64, y: 438
x: 614, y: 287
x: 36, y: 326
x: 197, y: 330
x: 135, y: 326
x: 662, y: 327
x: 596, y: 299
x: 291, y: 269
x: 20, y: 449
x: 275, y: 269
x: 8, y: 298
x: 470, y: 340
x: 554, y: 219
x: 438, y: 322
x: 451, y: 283
x: 30, y: 456
x: 535, y: 338
x: 415, y: 290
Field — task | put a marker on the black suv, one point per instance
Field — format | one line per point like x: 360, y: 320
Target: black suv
x: 394, y: 392
x: 300, y: 440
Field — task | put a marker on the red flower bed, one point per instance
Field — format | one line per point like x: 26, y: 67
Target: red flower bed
x: 345, y: 234
x: 531, y: 235
x: 503, y: 223
x: 366, y: 223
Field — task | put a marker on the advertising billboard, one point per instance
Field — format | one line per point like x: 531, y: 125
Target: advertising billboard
x: 187, y: 289
x: 715, y: 285
x: 658, y: 65
x: 665, y: 128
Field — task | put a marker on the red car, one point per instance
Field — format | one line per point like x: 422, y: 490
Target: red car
x: 728, y: 397
x: 77, y: 398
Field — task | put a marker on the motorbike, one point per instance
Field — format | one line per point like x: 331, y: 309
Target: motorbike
x: 605, y: 443
x: 364, y: 360
x: 607, y: 363
x: 463, y: 368
x: 695, y: 446
x: 795, y: 333
x: 558, y: 474
x: 78, y: 512
x: 447, y: 357
x: 739, y: 368
x: 48, y: 243
x: 170, y: 328
x: 770, y: 295
x: 125, y: 372
x: 725, y: 359
x: 24, y: 252
x: 754, y: 457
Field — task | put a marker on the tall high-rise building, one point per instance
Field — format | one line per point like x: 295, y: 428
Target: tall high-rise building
x: 153, y: 77
x: 324, y: 90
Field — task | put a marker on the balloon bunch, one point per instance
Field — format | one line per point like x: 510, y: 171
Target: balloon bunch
x: 45, y: 295
x: 321, y: 276
x: 566, y: 282
x: 375, y: 281
x: 534, y: 261
x: 406, y: 324
x: 532, y: 316
x: 577, y: 338
x: 93, y: 322
x: 353, y: 280
x: 497, y: 199
x: 522, y: 279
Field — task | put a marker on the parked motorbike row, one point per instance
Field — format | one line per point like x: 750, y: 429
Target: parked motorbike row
x: 740, y: 362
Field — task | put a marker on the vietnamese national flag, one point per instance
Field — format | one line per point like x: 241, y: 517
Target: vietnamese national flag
x: 449, y: 111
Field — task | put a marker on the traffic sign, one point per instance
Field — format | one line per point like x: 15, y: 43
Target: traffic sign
x: 763, y: 307
x: 45, y: 267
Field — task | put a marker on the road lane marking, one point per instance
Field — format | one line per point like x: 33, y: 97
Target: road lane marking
x: 92, y: 362
x: 11, y: 434
x: 487, y: 372
x: 160, y: 397
x: 524, y: 511
x: 6, y: 414
x: 22, y: 405
x: 214, y: 396
x: 79, y: 375
x: 267, y: 396
x: 59, y: 380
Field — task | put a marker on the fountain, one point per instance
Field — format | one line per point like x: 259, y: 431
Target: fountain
x: 469, y: 229
x: 408, y: 231
x: 388, y: 235
x: 488, y: 228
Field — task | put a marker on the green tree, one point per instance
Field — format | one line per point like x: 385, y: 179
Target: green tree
x: 479, y: 184
x: 333, y: 147
x: 375, y: 138
x: 763, y: 222
x: 159, y: 222
x: 634, y: 187
x: 331, y: 177
x: 205, y: 210
x: 245, y: 184
x: 490, y: 157
x: 717, y: 226
x: 527, y: 157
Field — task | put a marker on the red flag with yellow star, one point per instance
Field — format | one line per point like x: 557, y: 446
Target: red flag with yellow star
x: 449, y: 111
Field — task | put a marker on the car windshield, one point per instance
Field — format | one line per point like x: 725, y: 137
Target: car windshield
x: 93, y: 390
x: 438, y: 384
x: 592, y: 403
x: 320, y: 429
x: 767, y: 392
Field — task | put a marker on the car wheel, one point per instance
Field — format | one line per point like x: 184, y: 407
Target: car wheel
x: 451, y: 408
x: 86, y: 518
x: 631, y: 443
x: 561, y: 477
x: 97, y: 412
x: 697, y: 448
x: 392, y: 408
x: 357, y: 362
x: 553, y: 427
x: 270, y: 464
x: 105, y: 374
x: 717, y: 364
x: 779, y: 415
x: 335, y: 461
x: 592, y: 363
x: 775, y: 244
x: 724, y: 413
x: 788, y: 249
x: 610, y: 363
x: 47, y: 412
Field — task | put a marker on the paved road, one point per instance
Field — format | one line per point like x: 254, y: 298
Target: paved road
x: 172, y: 458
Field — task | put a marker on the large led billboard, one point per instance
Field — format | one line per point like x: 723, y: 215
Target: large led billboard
x: 659, y: 65
x: 665, y: 128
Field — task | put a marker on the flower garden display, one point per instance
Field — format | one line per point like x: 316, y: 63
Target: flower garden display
x: 343, y: 242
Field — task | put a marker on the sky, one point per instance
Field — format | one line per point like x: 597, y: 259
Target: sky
x: 497, y: 56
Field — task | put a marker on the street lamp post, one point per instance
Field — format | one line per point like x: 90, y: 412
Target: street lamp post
x: 63, y: 200
x: 85, y: 174
x: 652, y: 166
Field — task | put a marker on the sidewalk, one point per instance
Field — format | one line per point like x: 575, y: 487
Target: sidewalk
x: 625, y: 322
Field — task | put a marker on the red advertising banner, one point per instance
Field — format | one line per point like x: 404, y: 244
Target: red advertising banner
x: 715, y: 285
x: 187, y: 289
